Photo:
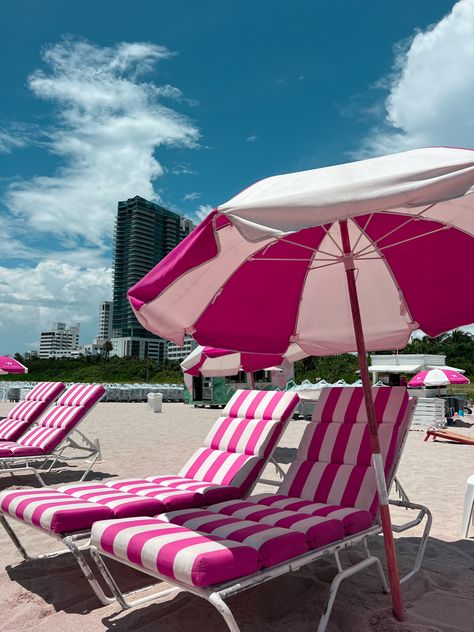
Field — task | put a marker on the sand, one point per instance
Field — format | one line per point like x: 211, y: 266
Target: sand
x: 53, y: 596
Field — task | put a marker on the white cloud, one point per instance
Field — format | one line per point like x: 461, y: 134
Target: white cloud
x: 192, y: 196
x: 202, y: 212
x: 431, y: 91
x: 109, y: 124
x: 31, y: 299
x: 252, y: 138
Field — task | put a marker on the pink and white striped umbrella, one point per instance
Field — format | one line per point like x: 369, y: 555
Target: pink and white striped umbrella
x: 212, y: 362
x: 330, y: 259
x: 10, y: 365
x: 437, y: 377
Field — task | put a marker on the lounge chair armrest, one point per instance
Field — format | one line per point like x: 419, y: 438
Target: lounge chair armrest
x: 422, y: 513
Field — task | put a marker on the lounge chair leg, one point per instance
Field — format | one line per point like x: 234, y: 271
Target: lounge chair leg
x: 118, y: 594
x: 422, y: 513
x: 336, y: 582
x: 71, y: 545
x: 92, y: 463
x: 14, y: 538
x: 224, y: 609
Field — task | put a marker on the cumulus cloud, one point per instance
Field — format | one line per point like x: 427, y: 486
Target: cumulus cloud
x: 110, y: 122
x: 32, y: 298
x: 431, y: 89
x: 192, y: 196
x: 202, y: 212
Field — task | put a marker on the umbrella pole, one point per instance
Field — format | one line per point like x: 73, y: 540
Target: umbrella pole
x: 252, y: 380
x: 377, y: 461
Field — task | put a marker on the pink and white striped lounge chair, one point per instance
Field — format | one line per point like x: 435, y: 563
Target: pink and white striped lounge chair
x: 49, y: 439
x: 226, y: 467
x: 25, y: 413
x: 326, y: 502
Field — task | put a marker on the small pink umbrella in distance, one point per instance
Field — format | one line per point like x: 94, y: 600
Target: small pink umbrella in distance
x: 437, y: 377
x: 10, y: 365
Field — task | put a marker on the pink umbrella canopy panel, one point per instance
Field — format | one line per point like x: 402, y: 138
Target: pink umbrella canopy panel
x: 242, y: 280
x: 437, y: 377
x: 10, y: 365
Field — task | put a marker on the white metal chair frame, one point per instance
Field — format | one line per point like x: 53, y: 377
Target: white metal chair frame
x: 216, y: 595
x: 15, y: 464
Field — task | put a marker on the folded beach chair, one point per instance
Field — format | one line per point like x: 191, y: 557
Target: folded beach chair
x: 226, y: 467
x: 25, y: 413
x: 49, y: 439
x: 326, y: 502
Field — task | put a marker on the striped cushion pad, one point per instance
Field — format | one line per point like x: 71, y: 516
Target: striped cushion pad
x: 211, y: 492
x: 277, y: 538
x: 27, y: 411
x: 10, y: 449
x: 11, y: 429
x: 261, y: 405
x: 51, y: 510
x: 222, y: 468
x: 145, y: 493
x: 174, y: 552
x: 353, y: 520
x: 82, y: 395
x: 45, y: 392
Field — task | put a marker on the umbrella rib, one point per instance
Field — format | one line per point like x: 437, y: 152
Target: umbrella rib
x: 404, y: 241
x: 362, y: 233
x: 310, y: 248
x: 412, y: 218
x: 378, y: 251
x: 328, y: 234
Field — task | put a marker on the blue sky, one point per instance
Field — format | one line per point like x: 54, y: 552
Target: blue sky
x: 187, y: 103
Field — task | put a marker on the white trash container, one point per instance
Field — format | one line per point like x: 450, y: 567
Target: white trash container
x: 155, y: 401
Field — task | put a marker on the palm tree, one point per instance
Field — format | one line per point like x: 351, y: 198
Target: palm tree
x: 107, y: 347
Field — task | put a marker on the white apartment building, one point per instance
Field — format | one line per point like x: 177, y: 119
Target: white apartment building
x: 59, y: 341
x: 179, y: 353
x: 104, y: 331
x: 141, y: 348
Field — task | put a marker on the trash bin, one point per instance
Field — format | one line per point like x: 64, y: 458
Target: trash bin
x: 155, y: 401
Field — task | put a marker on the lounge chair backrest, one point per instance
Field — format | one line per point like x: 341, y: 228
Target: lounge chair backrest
x: 63, y: 417
x: 333, y: 464
x: 27, y: 412
x: 238, y: 445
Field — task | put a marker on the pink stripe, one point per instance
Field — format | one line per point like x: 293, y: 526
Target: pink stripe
x: 300, y: 479
x: 341, y: 442
x: 380, y: 402
x: 238, y: 432
x: 353, y: 486
x: 326, y: 482
x: 365, y: 451
x: 290, y: 408
x: 272, y: 404
x: 239, y: 535
x: 239, y: 462
x: 255, y: 436
x: 199, y: 462
x: 215, y: 466
x: 240, y: 399
x: 317, y: 439
x: 327, y: 413
x: 350, y: 415
x: 250, y: 412
x: 217, y: 438
x: 169, y: 551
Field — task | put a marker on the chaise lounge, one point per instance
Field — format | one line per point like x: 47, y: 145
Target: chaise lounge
x: 327, y: 502
x: 27, y: 412
x: 50, y: 438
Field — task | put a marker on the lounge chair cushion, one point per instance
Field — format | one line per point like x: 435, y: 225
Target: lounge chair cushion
x: 52, y: 511
x: 85, y: 395
x: 13, y: 449
x: 149, y: 495
x: 275, y: 544
x: 353, y: 520
x: 211, y: 492
x: 12, y: 429
x: 175, y: 552
x: 318, y: 530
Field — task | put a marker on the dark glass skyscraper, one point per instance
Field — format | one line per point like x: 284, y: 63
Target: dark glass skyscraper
x: 144, y: 233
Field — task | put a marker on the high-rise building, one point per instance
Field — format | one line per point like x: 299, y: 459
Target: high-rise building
x: 179, y: 353
x: 104, y: 331
x: 60, y: 341
x: 144, y: 233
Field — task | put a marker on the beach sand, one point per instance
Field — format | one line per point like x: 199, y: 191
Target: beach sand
x: 53, y: 595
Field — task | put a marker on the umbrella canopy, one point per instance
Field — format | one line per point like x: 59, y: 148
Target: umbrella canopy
x: 327, y: 259
x: 437, y: 377
x: 211, y: 362
x: 10, y: 365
